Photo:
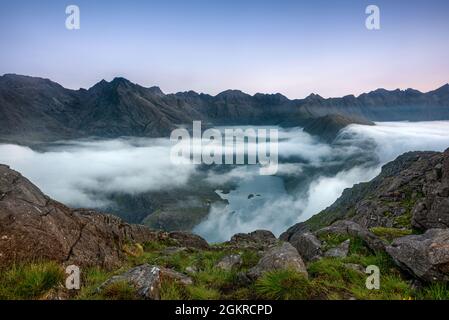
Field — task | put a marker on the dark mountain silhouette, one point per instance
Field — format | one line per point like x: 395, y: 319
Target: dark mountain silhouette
x: 36, y: 110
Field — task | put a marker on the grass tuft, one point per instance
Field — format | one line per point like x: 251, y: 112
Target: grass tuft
x: 283, y: 285
x: 27, y: 282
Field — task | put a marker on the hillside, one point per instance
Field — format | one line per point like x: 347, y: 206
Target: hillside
x: 397, y: 222
x: 411, y: 192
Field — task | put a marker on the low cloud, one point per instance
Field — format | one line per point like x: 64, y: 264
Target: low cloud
x: 79, y: 173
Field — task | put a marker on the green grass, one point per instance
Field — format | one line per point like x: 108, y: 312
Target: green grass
x: 389, y: 234
x: 91, y: 279
x: 283, y: 285
x: 435, y: 291
x: 27, y: 282
x: 118, y: 291
x: 329, y: 278
x: 341, y: 283
x: 404, y: 221
x: 356, y: 246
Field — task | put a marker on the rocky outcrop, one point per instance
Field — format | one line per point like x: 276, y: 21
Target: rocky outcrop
x: 308, y: 245
x: 35, y: 227
x: 410, y: 192
x: 298, y: 228
x: 424, y: 256
x: 280, y: 256
x: 147, y: 280
x: 259, y: 239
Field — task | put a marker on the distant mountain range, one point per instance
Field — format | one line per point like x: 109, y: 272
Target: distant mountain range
x: 34, y: 110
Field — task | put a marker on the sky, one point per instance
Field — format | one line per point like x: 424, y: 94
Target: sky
x: 292, y: 47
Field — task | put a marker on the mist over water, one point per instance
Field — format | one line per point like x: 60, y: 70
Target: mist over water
x: 79, y: 173
x: 311, y: 174
x: 378, y: 144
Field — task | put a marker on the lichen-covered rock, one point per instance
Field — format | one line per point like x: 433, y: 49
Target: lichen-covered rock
x: 340, y: 251
x: 280, y: 256
x: 425, y: 256
x: 188, y: 239
x: 147, y: 280
x: 259, y: 239
x: 229, y: 262
x: 308, y: 245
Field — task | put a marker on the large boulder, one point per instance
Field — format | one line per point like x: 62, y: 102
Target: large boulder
x: 425, y: 256
x: 147, y: 280
x: 188, y: 240
x: 35, y: 227
x: 308, y: 245
x: 350, y: 228
x: 259, y: 239
x: 298, y: 228
x: 279, y: 256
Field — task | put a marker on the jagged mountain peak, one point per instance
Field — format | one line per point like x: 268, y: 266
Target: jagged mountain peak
x: 231, y: 93
x: 156, y: 91
x: 313, y: 97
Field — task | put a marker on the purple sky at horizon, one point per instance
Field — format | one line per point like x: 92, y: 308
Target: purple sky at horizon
x: 291, y: 47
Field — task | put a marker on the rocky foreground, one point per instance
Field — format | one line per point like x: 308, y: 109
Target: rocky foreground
x: 397, y: 222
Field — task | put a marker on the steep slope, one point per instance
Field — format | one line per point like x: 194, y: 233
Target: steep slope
x: 411, y: 192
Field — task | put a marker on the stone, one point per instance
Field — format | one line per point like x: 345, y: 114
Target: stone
x: 346, y: 227
x: 147, y: 280
x: 424, y: 256
x: 280, y: 256
x: 308, y: 245
x: 189, y: 240
x: 355, y: 267
x: 340, y: 251
x: 229, y: 262
x: 256, y: 239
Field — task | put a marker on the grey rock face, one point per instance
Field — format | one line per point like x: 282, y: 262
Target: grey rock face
x: 411, y: 191
x: 424, y: 256
x: 147, y: 279
x: 283, y: 256
x: 308, y: 246
x: 340, y: 251
x: 433, y: 210
x: 298, y: 228
x: 230, y: 262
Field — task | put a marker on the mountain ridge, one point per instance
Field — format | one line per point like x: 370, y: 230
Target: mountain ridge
x: 35, y: 110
